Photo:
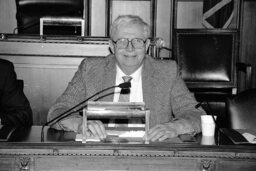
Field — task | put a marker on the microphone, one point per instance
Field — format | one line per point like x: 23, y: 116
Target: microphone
x: 198, y: 105
x: 125, y: 85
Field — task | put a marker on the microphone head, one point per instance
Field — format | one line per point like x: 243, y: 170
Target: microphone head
x: 125, y: 85
x: 198, y: 105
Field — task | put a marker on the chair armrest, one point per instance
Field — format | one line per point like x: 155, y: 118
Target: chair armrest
x: 247, y: 70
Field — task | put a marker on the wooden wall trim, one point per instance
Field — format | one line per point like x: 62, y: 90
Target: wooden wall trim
x: 52, y: 47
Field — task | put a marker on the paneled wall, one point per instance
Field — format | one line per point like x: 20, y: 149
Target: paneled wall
x: 47, y: 67
x: 7, y: 16
x: 248, y: 43
x: 45, y: 78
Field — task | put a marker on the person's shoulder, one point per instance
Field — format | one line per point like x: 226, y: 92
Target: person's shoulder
x: 164, y: 64
x: 5, y: 64
x: 94, y: 60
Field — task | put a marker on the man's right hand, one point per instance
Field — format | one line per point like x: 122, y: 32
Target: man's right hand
x: 97, y: 129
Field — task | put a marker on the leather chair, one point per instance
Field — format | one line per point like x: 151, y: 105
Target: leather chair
x: 241, y: 110
x: 29, y: 13
x: 208, y: 61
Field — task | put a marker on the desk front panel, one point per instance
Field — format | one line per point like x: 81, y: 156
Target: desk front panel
x: 76, y: 156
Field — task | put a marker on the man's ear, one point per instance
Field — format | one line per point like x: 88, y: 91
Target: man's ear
x: 111, y: 46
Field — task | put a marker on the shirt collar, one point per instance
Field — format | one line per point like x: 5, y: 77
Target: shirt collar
x: 135, y: 76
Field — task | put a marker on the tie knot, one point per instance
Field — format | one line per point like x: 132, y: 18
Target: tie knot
x: 127, y: 78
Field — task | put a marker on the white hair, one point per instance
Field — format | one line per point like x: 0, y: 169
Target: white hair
x: 129, y: 19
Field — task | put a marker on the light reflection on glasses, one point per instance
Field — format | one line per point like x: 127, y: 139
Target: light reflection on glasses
x: 123, y: 43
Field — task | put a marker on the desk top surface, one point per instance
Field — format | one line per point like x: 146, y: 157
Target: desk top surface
x: 31, y: 138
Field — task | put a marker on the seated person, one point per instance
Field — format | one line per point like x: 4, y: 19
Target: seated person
x: 155, y: 82
x: 15, y: 109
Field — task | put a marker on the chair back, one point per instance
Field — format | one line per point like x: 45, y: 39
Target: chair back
x: 208, y: 62
x: 206, y: 58
x: 29, y: 12
x: 241, y: 110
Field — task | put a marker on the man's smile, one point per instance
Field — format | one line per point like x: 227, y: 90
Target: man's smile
x: 130, y: 56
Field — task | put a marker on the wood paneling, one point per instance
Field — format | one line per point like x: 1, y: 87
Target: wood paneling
x: 47, y: 67
x: 146, y: 9
x: 189, y: 14
x: 248, y: 43
x: 45, y: 78
x: 98, y: 11
x: 7, y: 16
x: 164, y: 24
x: 54, y: 48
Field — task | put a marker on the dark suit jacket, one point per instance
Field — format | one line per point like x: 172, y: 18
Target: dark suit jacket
x: 14, y: 106
x: 164, y: 92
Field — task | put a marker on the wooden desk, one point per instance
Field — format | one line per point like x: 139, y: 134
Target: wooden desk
x: 61, y: 152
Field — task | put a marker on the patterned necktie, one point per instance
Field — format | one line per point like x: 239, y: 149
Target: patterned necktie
x: 125, y: 93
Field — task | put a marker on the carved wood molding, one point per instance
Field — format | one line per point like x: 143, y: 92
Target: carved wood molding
x: 207, y: 165
x: 23, y: 163
x: 126, y: 153
x: 33, y: 46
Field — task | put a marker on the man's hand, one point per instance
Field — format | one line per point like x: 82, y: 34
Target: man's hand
x: 162, y: 132
x: 97, y: 129
x: 71, y: 124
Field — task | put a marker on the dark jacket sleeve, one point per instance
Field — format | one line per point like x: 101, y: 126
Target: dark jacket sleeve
x: 14, y: 106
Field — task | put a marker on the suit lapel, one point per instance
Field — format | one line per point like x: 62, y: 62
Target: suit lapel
x: 149, y: 86
x: 101, y: 78
x: 155, y: 88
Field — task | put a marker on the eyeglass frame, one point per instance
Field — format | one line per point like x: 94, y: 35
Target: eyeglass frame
x: 130, y: 41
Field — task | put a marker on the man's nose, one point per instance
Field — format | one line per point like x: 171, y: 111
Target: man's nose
x: 130, y: 46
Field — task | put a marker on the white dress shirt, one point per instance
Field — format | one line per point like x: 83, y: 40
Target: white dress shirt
x: 136, y: 94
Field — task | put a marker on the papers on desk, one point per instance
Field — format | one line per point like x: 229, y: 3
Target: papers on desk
x: 113, y: 133
x: 250, y: 137
x: 240, y: 136
x: 79, y: 137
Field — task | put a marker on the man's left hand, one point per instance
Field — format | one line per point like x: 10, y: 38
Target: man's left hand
x: 162, y: 132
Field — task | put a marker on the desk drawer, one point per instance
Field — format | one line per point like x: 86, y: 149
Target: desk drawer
x: 7, y: 163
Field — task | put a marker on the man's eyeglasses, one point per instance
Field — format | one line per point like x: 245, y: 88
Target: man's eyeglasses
x: 123, y: 43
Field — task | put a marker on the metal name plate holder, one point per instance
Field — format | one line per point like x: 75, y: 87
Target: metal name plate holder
x: 115, y: 110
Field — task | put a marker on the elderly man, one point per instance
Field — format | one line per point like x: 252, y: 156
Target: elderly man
x: 157, y: 83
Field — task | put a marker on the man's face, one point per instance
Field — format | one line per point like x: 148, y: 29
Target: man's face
x: 130, y: 58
